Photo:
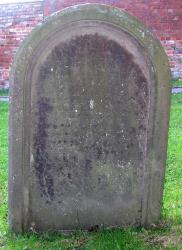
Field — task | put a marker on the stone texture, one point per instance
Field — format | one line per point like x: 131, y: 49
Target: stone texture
x: 88, y: 123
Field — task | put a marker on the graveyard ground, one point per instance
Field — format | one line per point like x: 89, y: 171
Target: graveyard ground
x: 166, y: 235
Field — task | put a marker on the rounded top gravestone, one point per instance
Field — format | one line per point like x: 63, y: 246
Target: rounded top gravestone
x: 89, y: 111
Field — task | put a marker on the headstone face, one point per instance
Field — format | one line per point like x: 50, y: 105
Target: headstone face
x: 88, y: 123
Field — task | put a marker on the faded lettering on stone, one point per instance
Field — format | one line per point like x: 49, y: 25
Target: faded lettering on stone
x: 92, y: 125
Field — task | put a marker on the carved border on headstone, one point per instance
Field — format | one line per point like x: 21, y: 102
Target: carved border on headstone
x: 20, y: 105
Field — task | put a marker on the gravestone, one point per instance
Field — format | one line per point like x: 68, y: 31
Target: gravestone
x: 88, y: 123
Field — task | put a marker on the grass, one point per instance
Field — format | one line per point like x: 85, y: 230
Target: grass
x: 173, y: 183
x: 4, y: 92
x: 166, y: 235
x: 3, y: 166
x: 177, y: 83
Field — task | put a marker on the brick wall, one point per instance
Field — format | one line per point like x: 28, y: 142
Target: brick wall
x: 16, y: 21
x: 163, y: 17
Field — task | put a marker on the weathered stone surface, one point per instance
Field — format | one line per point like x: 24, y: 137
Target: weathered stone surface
x: 88, y: 123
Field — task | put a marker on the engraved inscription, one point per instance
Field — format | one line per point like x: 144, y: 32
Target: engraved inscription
x: 91, y: 119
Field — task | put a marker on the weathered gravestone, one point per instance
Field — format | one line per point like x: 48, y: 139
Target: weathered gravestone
x: 88, y: 123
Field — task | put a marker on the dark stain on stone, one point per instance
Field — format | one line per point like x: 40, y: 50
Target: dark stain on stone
x: 99, y: 152
x: 42, y: 163
x: 88, y: 164
x: 99, y: 180
x: 65, y: 158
